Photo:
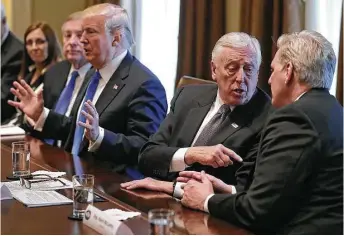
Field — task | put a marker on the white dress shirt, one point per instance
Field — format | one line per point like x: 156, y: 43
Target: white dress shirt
x: 106, y: 72
x: 178, y: 163
x: 79, y: 80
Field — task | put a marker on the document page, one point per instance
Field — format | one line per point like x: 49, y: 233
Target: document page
x: 41, y: 198
x: 40, y: 186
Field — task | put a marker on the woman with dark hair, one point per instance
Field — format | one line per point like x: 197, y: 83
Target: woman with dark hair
x: 41, y: 50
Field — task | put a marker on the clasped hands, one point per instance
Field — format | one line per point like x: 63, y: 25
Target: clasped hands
x: 32, y: 104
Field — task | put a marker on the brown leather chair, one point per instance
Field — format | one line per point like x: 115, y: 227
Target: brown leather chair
x: 186, y: 80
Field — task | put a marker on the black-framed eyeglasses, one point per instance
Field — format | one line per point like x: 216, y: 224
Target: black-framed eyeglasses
x: 41, y: 178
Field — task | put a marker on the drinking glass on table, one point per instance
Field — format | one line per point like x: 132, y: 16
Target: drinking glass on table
x: 161, y: 221
x: 82, y: 194
x: 21, y: 159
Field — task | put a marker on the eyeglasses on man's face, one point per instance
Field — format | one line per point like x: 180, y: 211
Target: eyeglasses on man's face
x: 38, y: 179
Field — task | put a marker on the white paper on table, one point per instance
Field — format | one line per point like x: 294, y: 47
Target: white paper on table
x: 41, y: 198
x: 121, y: 215
x: 50, y: 173
x: 15, y: 186
x: 11, y: 130
x: 5, y: 192
x: 104, y: 223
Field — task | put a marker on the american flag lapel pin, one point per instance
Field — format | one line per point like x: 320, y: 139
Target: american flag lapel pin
x: 235, y: 125
x: 115, y: 86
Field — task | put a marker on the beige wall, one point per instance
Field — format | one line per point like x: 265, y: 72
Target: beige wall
x: 233, y: 9
x: 53, y: 12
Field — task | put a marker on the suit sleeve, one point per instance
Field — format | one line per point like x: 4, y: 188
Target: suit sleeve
x: 242, y: 175
x: 156, y: 155
x: 8, y: 76
x: 283, y: 165
x: 56, y: 126
x: 147, y: 109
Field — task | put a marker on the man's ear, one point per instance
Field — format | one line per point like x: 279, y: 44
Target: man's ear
x: 117, y: 37
x: 213, y: 70
x: 289, y: 68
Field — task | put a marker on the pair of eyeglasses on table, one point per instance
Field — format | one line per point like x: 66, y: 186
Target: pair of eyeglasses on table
x: 38, y: 179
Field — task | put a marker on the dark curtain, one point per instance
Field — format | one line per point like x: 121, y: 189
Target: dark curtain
x: 94, y: 2
x: 267, y: 20
x: 339, y: 90
x: 202, y: 23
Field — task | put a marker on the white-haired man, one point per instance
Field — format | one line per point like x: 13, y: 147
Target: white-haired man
x: 210, y: 125
x: 297, y: 182
x: 11, y: 54
x: 130, y: 102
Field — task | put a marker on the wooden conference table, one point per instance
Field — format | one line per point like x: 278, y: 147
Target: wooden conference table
x: 19, y: 219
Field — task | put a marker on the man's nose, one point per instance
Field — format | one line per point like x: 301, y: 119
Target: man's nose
x: 74, y: 40
x: 240, y: 75
x: 83, y: 39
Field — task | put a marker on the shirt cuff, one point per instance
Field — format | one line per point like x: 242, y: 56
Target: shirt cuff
x: 205, y: 206
x: 178, y: 191
x: 177, y: 163
x: 41, y: 120
x: 234, y: 190
x: 95, y: 145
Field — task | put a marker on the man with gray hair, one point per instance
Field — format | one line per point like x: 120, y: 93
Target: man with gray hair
x: 211, y: 127
x: 130, y: 102
x: 11, y: 54
x: 297, y: 183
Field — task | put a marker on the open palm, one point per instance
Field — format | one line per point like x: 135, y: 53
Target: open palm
x: 29, y: 102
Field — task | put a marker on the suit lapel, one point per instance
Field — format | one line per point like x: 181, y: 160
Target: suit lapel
x: 81, y: 93
x: 63, y: 77
x: 115, y: 84
x: 196, y: 116
x: 237, y: 119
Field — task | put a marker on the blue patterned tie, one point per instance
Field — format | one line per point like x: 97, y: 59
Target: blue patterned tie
x: 64, y: 99
x: 79, y: 130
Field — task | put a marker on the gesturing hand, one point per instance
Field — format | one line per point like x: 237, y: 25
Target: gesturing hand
x: 215, y: 156
x: 30, y: 103
x: 92, y: 121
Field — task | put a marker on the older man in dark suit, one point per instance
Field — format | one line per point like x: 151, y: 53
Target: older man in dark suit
x: 11, y: 55
x: 62, y: 81
x: 130, y: 102
x: 297, y: 184
x: 209, y: 125
x: 70, y: 73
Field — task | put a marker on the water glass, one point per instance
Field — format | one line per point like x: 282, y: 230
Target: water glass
x: 161, y: 221
x: 82, y: 194
x: 20, y: 159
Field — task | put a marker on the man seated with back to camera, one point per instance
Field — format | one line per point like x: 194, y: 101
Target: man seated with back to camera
x: 296, y: 186
x: 211, y: 125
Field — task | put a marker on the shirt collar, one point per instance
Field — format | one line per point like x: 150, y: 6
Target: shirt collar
x: 107, y: 71
x: 4, y: 37
x: 219, y: 102
x: 300, y: 96
x: 82, y: 70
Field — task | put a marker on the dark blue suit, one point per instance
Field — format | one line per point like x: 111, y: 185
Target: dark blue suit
x: 131, y: 108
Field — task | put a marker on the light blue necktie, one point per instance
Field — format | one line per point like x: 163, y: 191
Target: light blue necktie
x: 64, y: 99
x: 79, y: 130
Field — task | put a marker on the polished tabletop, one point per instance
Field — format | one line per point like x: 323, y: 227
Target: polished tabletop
x: 19, y: 219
